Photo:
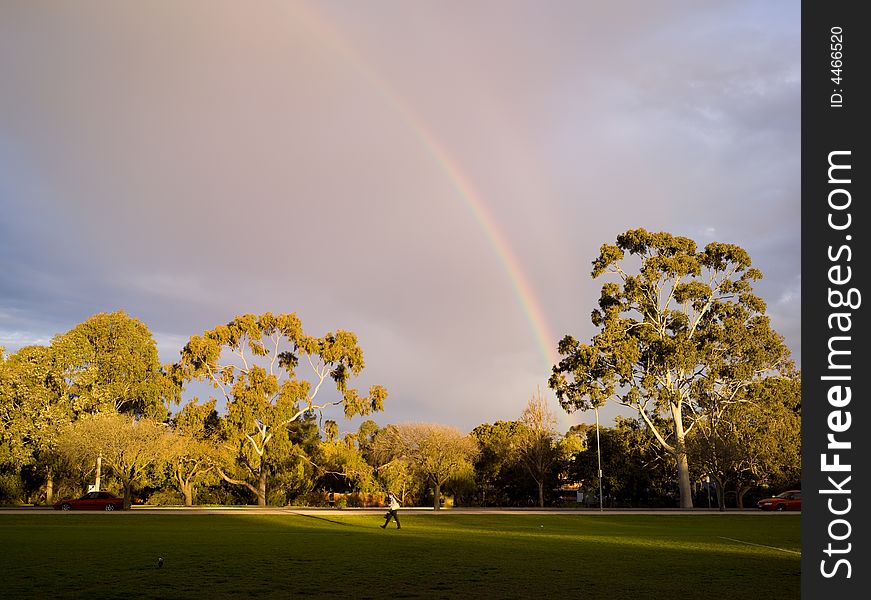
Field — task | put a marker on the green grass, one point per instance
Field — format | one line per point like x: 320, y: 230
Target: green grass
x: 335, y: 554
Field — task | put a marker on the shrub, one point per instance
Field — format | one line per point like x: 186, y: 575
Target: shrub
x: 11, y: 488
x: 165, y: 497
x: 312, y: 498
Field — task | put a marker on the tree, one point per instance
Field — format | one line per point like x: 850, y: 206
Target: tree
x: 635, y: 470
x: 498, y: 469
x: 343, y: 465
x: 537, y: 441
x: 292, y: 468
x: 253, y: 361
x: 129, y: 446
x: 366, y: 433
x: 686, y: 322
x: 774, y: 449
x: 752, y: 439
x: 110, y: 361
x: 436, y: 453
x: 195, y: 453
x: 33, y: 410
x: 398, y: 476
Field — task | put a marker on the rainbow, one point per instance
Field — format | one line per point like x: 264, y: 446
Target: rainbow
x: 523, y: 290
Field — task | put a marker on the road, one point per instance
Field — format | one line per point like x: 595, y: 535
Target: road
x: 284, y: 510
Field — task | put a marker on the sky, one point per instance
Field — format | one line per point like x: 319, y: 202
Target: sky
x: 434, y: 176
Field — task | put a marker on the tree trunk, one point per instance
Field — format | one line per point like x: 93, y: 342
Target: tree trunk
x: 261, y: 489
x: 436, y: 497
x: 185, y: 485
x: 541, y: 494
x: 721, y: 494
x: 680, y: 456
x: 742, y: 490
x: 99, y: 472
x: 49, y: 487
x: 128, y: 494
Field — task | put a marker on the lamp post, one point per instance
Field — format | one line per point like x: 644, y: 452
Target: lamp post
x: 599, y: 458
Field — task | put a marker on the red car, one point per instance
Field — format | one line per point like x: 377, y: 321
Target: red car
x: 92, y: 501
x: 790, y: 500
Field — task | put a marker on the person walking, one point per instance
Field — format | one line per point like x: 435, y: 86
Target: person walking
x: 392, y: 507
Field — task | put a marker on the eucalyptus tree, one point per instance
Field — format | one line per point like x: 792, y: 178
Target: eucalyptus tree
x: 33, y: 411
x: 254, y: 361
x: 110, y: 362
x: 677, y: 324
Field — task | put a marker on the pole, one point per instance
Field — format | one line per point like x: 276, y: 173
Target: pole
x: 599, y: 457
x: 708, y: 485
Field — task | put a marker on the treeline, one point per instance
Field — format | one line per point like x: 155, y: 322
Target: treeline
x: 96, y: 406
x: 681, y: 340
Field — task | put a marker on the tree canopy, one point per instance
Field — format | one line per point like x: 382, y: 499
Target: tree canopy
x: 678, y: 324
x: 752, y: 439
x: 437, y: 453
x: 110, y: 362
x: 129, y: 446
x: 254, y: 360
x: 501, y: 478
x: 681, y: 339
x: 539, y: 445
x: 34, y: 408
x: 195, y: 453
x: 635, y: 470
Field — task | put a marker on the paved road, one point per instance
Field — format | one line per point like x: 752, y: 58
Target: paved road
x: 202, y: 510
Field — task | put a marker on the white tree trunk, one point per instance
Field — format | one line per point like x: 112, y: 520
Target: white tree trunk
x: 680, y: 456
x: 99, y: 472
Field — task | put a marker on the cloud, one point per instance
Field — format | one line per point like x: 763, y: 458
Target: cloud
x: 188, y: 165
x: 15, y: 340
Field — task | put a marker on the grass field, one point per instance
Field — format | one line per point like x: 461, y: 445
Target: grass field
x: 344, y: 554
